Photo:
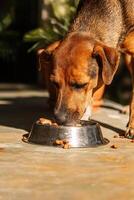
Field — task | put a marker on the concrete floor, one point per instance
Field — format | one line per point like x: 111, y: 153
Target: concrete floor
x: 37, y: 172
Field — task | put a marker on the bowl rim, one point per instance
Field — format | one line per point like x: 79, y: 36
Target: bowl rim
x: 84, y: 123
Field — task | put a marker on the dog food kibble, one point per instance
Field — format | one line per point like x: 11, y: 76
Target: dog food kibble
x: 55, y: 124
x: 115, y: 136
x: 59, y: 142
x: 114, y: 146
x: 44, y: 121
x: 66, y: 146
x: 63, y: 143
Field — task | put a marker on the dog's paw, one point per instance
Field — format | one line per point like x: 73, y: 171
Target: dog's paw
x: 129, y: 133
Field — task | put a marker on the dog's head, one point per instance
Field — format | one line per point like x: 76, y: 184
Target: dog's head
x: 78, y: 65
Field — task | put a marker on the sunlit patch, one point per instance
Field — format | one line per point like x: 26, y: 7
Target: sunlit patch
x: 114, y: 116
x: 5, y: 102
x: 87, y: 113
x: 74, y: 138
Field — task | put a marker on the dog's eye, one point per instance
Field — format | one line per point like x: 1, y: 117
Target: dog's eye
x: 78, y: 86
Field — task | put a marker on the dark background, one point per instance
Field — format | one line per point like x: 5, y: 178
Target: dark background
x: 17, y: 65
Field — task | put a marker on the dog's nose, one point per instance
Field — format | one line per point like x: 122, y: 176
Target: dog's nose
x: 60, y: 117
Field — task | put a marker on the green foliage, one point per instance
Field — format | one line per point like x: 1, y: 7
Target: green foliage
x: 42, y: 36
x: 8, y: 38
x: 56, y: 26
x: 60, y: 13
x: 6, y: 21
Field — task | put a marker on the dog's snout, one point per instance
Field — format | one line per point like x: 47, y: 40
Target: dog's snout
x: 66, y: 117
x: 60, y: 117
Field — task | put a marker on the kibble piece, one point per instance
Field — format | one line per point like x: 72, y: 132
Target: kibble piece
x: 55, y: 124
x: 44, y: 121
x: 114, y: 146
x: 62, y: 143
x: 66, y: 146
x: 115, y: 136
x: 65, y: 141
x: 59, y: 142
x: 25, y: 137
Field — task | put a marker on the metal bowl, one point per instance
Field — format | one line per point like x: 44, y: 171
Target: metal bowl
x: 86, y: 134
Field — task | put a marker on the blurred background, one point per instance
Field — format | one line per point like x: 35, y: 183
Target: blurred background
x: 26, y: 26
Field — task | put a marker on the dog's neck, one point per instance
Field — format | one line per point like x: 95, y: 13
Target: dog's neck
x: 101, y: 19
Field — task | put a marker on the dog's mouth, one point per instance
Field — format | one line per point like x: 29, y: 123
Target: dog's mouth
x: 68, y: 122
x: 67, y: 118
x: 72, y: 119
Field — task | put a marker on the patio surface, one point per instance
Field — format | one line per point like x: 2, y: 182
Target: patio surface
x: 37, y: 172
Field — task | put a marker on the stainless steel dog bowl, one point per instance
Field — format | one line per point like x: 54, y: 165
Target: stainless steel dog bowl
x: 86, y: 134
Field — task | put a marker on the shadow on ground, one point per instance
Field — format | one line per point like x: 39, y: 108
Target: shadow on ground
x: 119, y: 131
x: 22, y: 112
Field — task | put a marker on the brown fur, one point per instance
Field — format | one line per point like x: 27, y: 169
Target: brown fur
x: 88, y: 56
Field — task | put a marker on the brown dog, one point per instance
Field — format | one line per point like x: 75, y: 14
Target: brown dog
x: 88, y: 57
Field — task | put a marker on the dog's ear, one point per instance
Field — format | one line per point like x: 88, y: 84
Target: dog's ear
x: 127, y: 47
x: 45, y: 66
x: 108, y: 58
x: 45, y: 62
x: 45, y: 55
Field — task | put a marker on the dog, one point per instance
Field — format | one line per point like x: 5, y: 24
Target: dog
x: 88, y: 57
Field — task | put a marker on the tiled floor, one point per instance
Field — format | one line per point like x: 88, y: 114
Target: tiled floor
x: 37, y: 172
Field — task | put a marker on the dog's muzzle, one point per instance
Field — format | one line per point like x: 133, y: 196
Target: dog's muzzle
x: 66, y: 117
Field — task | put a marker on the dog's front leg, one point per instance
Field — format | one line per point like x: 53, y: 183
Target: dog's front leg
x: 130, y: 128
x: 128, y: 48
